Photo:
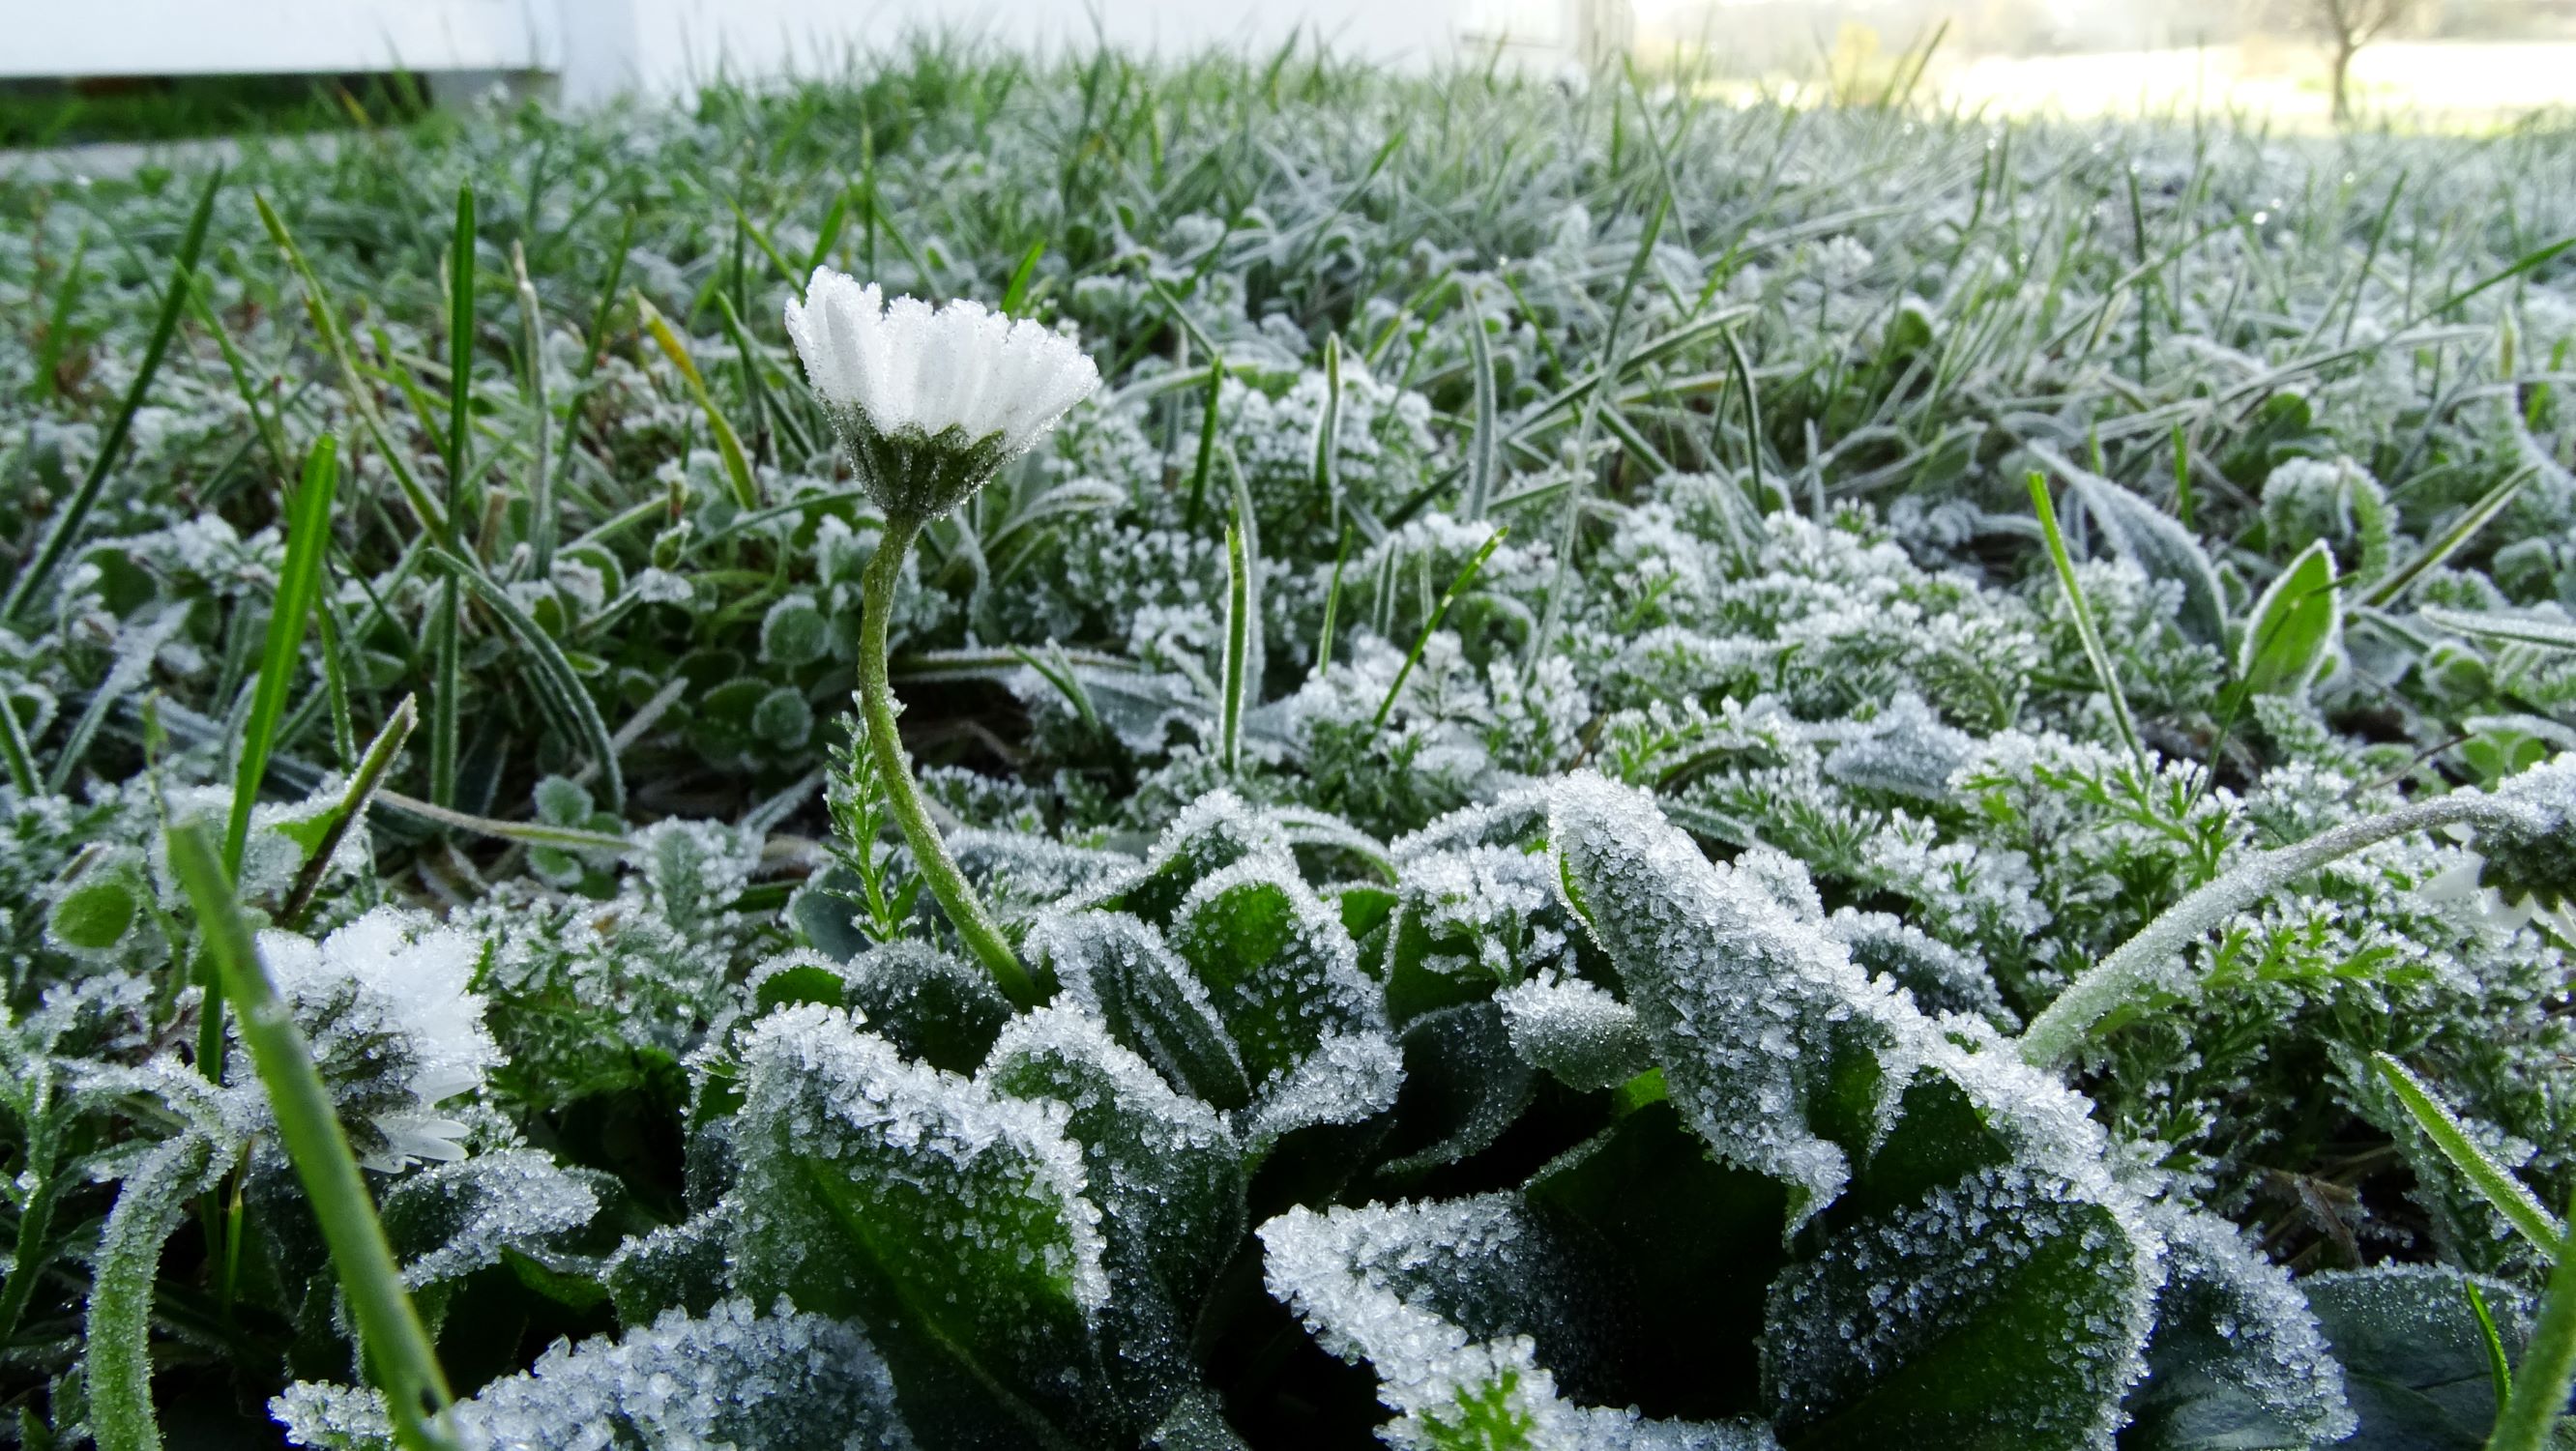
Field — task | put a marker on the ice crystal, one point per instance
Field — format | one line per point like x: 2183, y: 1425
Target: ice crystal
x: 734, y: 1378
x: 394, y: 980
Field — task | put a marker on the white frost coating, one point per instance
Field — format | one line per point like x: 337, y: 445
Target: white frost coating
x: 904, y: 366
x: 1218, y: 827
x: 1905, y: 749
x: 1348, y: 1077
x: 733, y: 1379
x: 1172, y: 1123
x: 809, y: 1073
x: 412, y: 976
x: 1484, y: 898
x: 1873, y: 1298
x: 515, y: 1197
x: 1080, y: 946
x: 1507, y: 820
x: 1340, y: 1271
x: 1575, y: 1030
x: 1745, y: 1003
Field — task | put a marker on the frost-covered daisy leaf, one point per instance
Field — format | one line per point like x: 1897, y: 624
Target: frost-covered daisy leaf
x: 685, y: 1266
x: 1212, y: 833
x: 1575, y: 1030
x: 950, y: 1220
x: 2006, y: 1311
x: 1482, y: 1322
x: 452, y: 1219
x: 2236, y: 1361
x: 1463, y: 1086
x: 734, y: 1377
x: 1690, y: 1245
x: 1466, y: 920
x: 1284, y: 978
x: 2414, y: 1359
x: 938, y: 1008
x: 1166, y: 1174
x: 1119, y: 969
x: 1777, y: 1048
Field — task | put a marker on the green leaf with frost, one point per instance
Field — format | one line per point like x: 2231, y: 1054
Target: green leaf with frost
x: 2001, y: 1314
x: 1169, y: 1181
x: 950, y: 1220
x: 2236, y: 1361
x: 2294, y: 629
x: 1119, y: 968
x: 2414, y: 1357
x: 1284, y: 978
x: 1779, y: 1050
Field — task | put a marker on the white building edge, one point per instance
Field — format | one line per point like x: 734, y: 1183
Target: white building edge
x: 589, y: 51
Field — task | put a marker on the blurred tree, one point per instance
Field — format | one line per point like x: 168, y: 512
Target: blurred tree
x: 2346, y: 26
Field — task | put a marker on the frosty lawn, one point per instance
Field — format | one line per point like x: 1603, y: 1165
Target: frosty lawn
x: 1454, y: 761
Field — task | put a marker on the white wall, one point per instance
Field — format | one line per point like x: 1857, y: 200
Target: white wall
x: 221, y: 37
x: 602, y: 47
x: 661, y: 45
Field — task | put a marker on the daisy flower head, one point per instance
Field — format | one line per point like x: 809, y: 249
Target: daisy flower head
x: 930, y: 403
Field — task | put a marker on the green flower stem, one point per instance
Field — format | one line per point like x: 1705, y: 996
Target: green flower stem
x: 929, y: 852
x: 2054, y: 1034
x: 397, y: 1348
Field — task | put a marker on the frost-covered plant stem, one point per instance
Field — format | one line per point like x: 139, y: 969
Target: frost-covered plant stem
x: 2054, y: 1034
x: 876, y: 700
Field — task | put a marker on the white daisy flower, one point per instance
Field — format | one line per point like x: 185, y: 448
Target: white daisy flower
x: 385, y: 1003
x: 931, y: 403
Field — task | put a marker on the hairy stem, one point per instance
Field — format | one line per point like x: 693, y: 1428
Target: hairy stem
x: 2055, y: 1033
x: 876, y: 700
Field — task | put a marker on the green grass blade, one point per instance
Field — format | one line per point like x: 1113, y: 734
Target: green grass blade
x: 1236, y: 684
x: 1439, y: 612
x: 308, y: 540
x: 2085, y: 629
x: 364, y: 782
x: 2499, y: 1368
x: 460, y: 358
x: 737, y: 467
x: 1332, y: 604
x: 15, y: 752
x: 2540, y: 1383
x: 1484, y: 444
x: 446, y: 687
x: 1207, y: 443
x: 1326, y: 469
x: 1021, y: 276
x: 74, y: 515
x: 398, y: 1349
x: 553, y: 672
x: 541, y: 493
x: 353, y: 379
x: 2492, y: 1181
x: 2474, y: 518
